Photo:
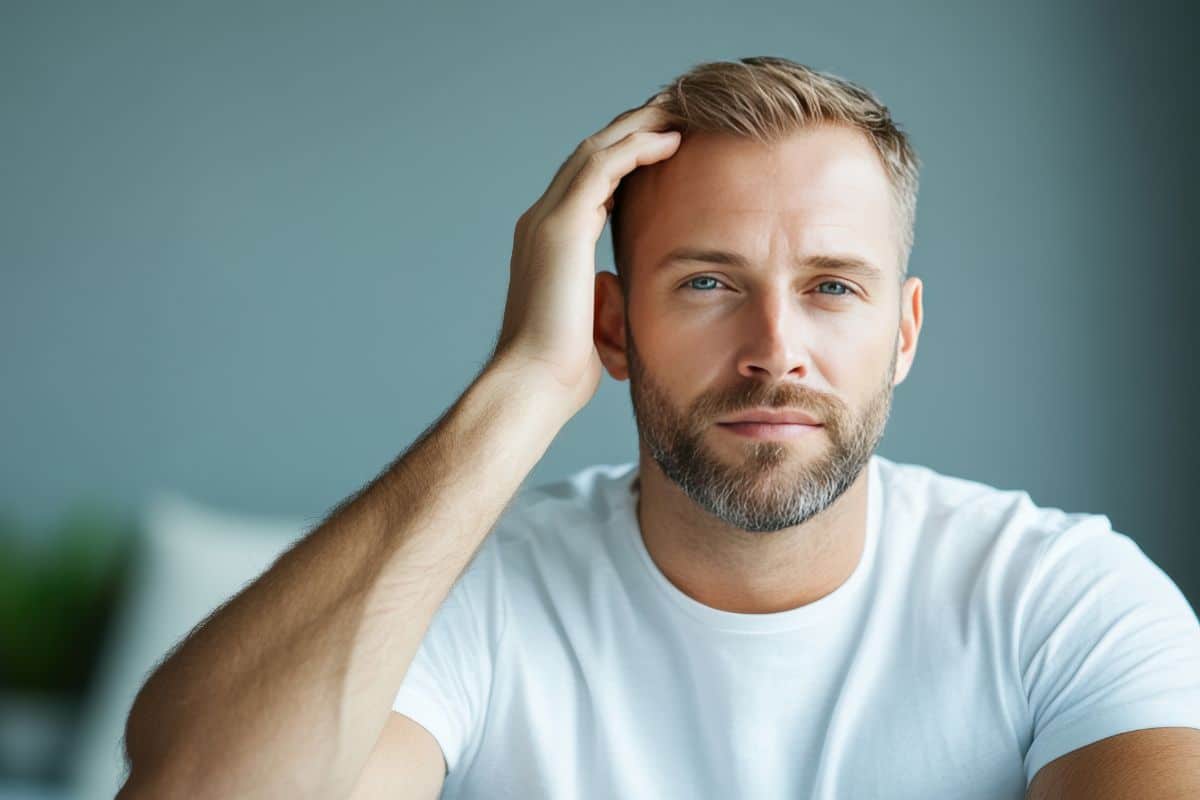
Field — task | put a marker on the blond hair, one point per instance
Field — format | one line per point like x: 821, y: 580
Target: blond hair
x: 765, y: 98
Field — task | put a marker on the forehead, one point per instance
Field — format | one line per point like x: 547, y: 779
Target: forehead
x: 822, y: 189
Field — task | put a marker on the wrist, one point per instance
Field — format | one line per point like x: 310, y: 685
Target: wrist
x: 532, y: 385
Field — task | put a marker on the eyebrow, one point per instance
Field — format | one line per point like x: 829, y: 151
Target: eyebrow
x: 843, y: 263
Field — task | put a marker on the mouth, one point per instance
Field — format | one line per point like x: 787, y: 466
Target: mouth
x: 769, y: 430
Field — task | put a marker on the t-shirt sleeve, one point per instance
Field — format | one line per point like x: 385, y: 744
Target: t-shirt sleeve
x: 1107, y: 643
x: 447, y: 687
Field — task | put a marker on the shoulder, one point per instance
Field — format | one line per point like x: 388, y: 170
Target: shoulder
x: 544, y: 539
x: 560, y: 521
x: 1044, y: 580
x: 962, y: 509
x: 942, y: 512
x: 991, y: 545
x: 586, y: 493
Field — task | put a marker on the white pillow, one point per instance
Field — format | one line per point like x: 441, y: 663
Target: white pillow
x: 190, y: 559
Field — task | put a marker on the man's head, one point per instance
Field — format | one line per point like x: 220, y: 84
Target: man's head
x: 764, y: 265
x: 766, y: 99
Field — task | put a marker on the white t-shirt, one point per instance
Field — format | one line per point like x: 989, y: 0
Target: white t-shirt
x: 979, y: 637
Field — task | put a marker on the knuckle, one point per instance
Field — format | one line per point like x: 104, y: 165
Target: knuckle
x: 595, y: 160
x: 590, y: 144
x: 524, y: 221
x: 550, y: 226
x: 528, y: 225
x: 626, y: 114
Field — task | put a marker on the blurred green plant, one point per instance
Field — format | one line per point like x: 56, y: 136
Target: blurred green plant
x: 58, y: 591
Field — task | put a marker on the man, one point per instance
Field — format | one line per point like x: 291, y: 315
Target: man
x: 759, y: 607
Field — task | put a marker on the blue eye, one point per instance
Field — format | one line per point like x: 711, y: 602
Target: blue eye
x: 701, y: 278
x: 847, y: 293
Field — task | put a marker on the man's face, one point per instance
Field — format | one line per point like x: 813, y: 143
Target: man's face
x: 780, y: 331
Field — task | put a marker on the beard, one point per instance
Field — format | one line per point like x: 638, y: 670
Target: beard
x: 774, y: 484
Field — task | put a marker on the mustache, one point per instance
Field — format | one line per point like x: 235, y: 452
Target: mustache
x: 783, y: 397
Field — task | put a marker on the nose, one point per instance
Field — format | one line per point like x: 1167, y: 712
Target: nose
x: 772, y: 348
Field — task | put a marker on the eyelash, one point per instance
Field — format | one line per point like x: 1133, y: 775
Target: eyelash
x: 849, y: 290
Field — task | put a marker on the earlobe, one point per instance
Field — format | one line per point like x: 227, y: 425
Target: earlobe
x: 608, y: 327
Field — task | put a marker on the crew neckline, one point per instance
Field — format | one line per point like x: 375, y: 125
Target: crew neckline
x: 818, y: 611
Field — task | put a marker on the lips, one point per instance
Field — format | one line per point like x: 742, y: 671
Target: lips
x: 765, y: 430
x: 772, y: 416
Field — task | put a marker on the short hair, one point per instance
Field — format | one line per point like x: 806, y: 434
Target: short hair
x: 766, y: 98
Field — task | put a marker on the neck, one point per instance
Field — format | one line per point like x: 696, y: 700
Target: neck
x: 730, y: 569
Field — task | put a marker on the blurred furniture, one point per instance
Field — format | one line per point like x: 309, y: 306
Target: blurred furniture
x: 190, y: 559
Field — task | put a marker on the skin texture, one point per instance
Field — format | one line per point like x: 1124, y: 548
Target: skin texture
x: 1162, y: 763
x: 758, y: 526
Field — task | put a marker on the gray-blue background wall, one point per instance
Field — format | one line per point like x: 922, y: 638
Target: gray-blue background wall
x: 250, y: 250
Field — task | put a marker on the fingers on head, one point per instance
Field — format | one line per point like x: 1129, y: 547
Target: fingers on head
x: 648, y: 117
x: 596, y: 180
x: 618, y: 131
x: 654, y: 102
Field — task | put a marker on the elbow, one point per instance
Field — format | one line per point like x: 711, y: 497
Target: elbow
x: 147, y: 750
x: 143, y: 783
x: 134, y: 788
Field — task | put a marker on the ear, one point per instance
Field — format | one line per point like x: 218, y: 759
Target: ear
x: 911, y: 314
x: 608, y: 327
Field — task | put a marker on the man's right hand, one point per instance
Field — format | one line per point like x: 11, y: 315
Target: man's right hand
x: 548, y: 315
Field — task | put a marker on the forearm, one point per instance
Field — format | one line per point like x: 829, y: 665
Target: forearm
x: 284, y: 691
